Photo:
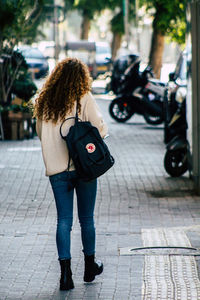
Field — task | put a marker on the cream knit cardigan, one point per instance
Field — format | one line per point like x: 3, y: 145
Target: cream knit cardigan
x: 54, y: 149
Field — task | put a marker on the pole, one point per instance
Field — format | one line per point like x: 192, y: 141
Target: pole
x: 126, y: 25
x: 56, y: 32
x: 137, y: 25
x: 57, y: 16
x: 1, y: 128
x: 1, y: 79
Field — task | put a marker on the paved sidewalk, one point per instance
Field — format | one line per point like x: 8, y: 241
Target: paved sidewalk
x: 137, y: 205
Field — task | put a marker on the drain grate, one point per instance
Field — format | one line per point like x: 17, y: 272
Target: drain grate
x: 160, y: 250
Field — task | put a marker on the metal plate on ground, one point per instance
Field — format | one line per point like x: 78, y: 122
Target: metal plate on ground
x: 160, y: 250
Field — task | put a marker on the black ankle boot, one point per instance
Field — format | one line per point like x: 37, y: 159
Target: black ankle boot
x: 92, y: 268
x: 66, y: 282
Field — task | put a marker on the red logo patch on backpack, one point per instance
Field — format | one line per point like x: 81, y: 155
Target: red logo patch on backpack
x: 90, y: 148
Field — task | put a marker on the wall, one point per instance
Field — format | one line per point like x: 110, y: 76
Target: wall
x: 195, y: 30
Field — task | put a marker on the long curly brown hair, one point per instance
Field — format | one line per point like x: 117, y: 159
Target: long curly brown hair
x: 69, y: 81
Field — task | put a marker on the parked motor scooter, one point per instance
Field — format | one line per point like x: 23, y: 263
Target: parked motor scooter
x: 138, y: 92
x: 177, y: 158
x: 117, y: 68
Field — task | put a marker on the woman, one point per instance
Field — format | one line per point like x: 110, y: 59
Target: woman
x: 69, y: 85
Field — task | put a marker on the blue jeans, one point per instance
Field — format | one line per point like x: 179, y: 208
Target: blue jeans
x: 63, y: 185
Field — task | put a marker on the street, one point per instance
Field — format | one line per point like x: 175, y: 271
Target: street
x: 138, y: 205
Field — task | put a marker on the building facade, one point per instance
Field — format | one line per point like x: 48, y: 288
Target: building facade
x: 194, y: 129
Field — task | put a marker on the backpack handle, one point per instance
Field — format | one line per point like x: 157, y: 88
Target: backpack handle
x: 76, y: 120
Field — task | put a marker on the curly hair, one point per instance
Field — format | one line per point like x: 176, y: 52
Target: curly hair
x: 69, y: 81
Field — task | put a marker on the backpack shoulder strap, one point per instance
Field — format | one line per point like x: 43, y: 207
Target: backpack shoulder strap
x: 77, y: 119
x: 62, y: 126
x: 76, y: 115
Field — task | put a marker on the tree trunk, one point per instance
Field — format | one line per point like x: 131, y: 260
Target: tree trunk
x: 85, y: 27
x: 116, y: 43
x: 156, y: 53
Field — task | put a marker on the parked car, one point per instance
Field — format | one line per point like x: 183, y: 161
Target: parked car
x: 37, y: 63
x: 85, y: 51
x: 96, y: 55
x: 47, y: 48
x: 103, y: 56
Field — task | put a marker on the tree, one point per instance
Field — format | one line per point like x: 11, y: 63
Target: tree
x: 169, y: 19
x: 19, y: 22
x: 117, y: 28
x: 117, y: 22
x: 88, y: 9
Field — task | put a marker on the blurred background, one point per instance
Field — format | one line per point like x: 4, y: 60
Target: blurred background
x: 106, y: 35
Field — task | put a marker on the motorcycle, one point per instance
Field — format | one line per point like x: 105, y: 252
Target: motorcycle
x: 138, y: 92
x: 177, y: 158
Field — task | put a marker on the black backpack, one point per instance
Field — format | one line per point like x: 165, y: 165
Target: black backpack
x: 88, y: 151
